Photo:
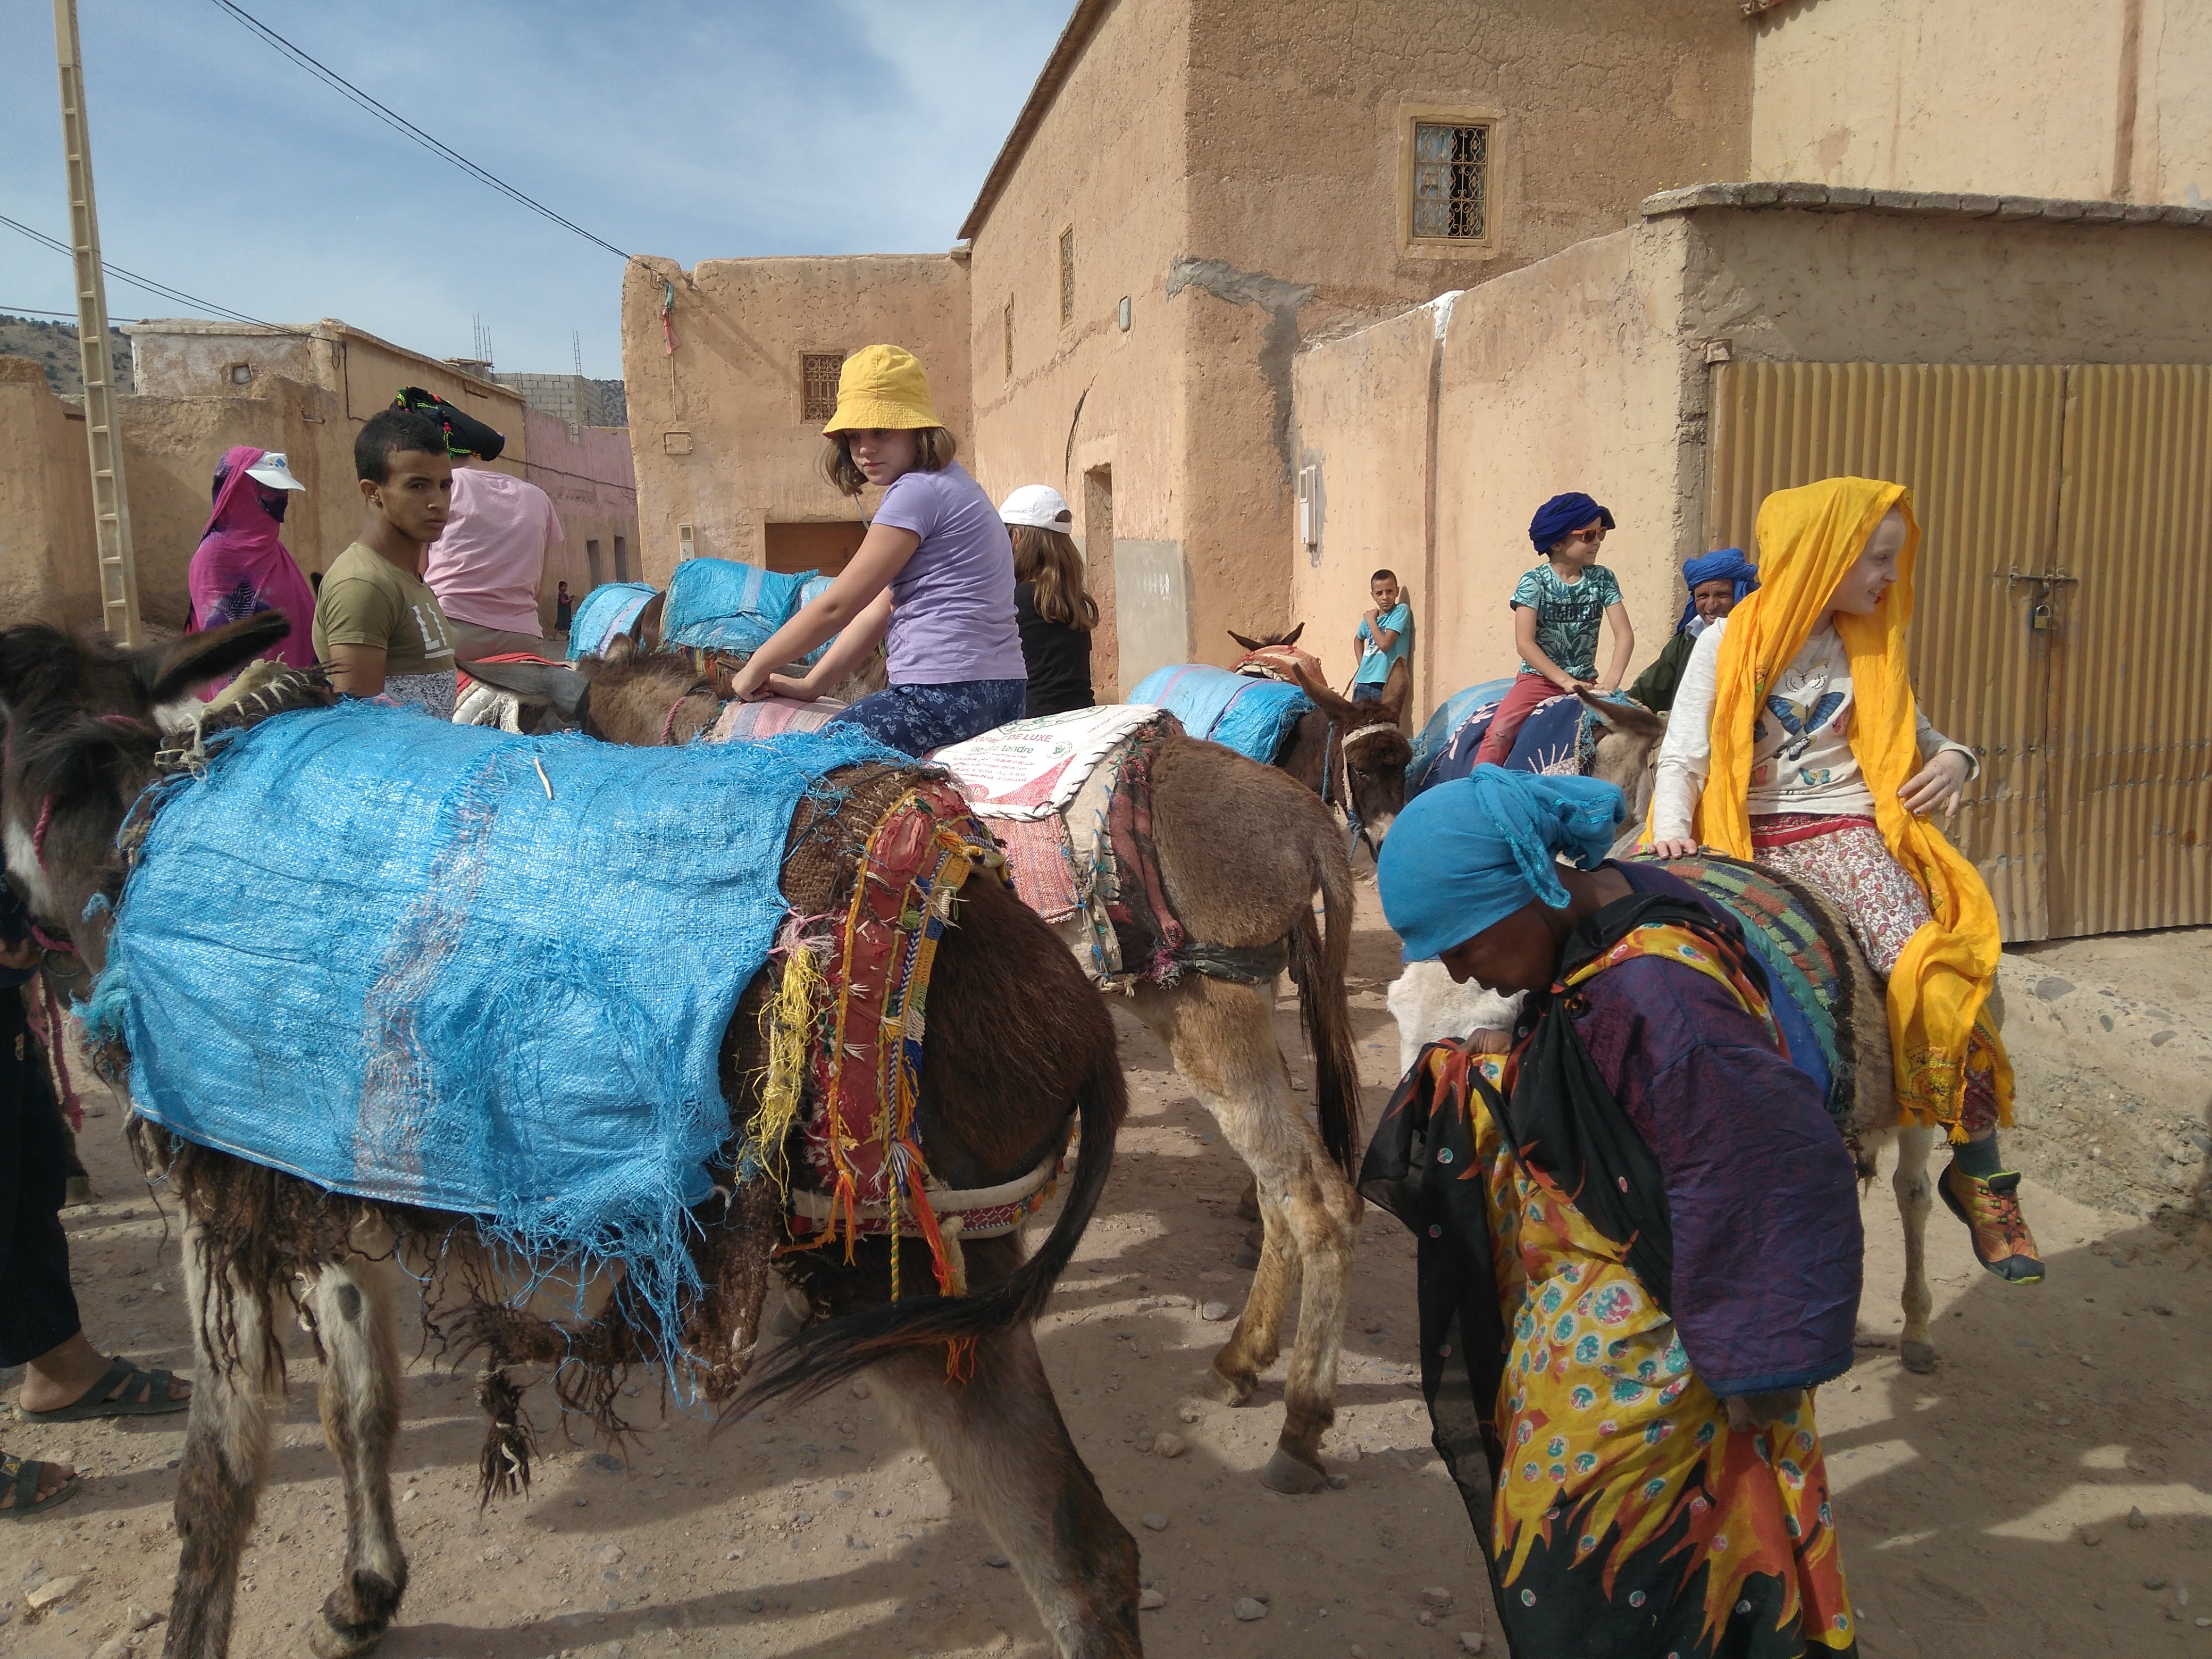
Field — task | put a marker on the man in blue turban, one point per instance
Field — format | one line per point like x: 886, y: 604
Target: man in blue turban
x: 1717, y: 582
x: 1637, y: 1237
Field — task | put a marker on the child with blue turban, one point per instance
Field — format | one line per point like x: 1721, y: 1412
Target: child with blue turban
x: 1717, y: 582
x: 1637, y: 1236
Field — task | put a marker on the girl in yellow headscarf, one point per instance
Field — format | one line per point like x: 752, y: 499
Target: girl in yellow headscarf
x: 1794, y: 740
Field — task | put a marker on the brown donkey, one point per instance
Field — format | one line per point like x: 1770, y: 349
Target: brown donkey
x: 1018, y: 1044
x: 1241, y: 848
x: 1353, y: 755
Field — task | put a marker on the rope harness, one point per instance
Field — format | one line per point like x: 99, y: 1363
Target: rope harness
x: 668, y: 726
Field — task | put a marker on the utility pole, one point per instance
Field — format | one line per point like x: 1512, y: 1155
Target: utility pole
x: 111, y: 507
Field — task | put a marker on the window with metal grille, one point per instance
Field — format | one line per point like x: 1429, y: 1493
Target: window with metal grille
x: 1067, y: 275
x: 1451, y: 177
x: 817, y: 378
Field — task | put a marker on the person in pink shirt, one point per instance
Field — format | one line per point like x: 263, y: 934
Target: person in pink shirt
x: 488, y: 566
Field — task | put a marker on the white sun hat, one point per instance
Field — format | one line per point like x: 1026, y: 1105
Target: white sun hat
x: 273, y: 470
x: 1039, y: 505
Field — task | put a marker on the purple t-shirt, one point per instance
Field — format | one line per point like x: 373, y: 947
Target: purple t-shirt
x: 953, y: 606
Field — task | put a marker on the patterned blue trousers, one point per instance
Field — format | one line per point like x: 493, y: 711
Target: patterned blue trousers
x: 917, y: 719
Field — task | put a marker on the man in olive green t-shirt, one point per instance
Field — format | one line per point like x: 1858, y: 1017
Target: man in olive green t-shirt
x: 378, y: 626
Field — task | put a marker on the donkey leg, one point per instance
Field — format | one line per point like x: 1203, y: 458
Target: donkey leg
x: 1222, y: 1038
x: 1000, y: 1444
x: 1914, y: 1194
x: 352, y: 1308
x: 226, y: 1456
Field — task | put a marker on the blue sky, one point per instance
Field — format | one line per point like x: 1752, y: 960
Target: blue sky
x: 696, y: 129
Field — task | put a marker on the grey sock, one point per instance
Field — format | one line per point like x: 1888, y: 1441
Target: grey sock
x: 1978, y: 1158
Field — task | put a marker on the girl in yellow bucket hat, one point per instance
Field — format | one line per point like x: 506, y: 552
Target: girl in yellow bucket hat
x: 935, y: 574
x: 1795, y: 741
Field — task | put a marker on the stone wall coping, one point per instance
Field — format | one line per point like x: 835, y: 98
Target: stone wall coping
x: 1920, y: 203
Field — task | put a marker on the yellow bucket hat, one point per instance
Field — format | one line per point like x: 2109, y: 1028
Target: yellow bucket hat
x: 882, y: 387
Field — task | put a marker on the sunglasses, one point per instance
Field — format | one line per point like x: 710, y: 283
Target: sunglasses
x: 1597, y: 534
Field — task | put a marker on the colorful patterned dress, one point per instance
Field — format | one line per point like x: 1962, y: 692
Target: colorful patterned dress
x: 1572, y: 1351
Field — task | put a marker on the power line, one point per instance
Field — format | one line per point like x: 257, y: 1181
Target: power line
x: 33, y: 310
x: 162, y: 289
x: 399, y: 122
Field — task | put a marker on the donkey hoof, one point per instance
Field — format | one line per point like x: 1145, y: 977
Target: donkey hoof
x: 1225, y: 1390
x: 78, y: 1191
x: 1288, y: 1473
x: 1919, y: 1357
x: 1248, y: 1203
x: 331, y: 1640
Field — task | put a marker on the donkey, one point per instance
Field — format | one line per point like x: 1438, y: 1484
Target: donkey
x: 1353, y: 755
x: 1018, y: 1044
x: 1241, y: 848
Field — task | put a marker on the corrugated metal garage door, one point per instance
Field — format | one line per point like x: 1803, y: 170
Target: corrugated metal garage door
x: 2064, y: 594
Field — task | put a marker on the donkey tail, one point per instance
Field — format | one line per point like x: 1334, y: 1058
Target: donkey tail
x: 839, y: 1350
x: 1317, y: 968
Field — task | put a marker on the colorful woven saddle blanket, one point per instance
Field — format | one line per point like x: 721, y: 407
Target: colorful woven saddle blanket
x: 847, y: 1025
x: 1556, y: 738
x: 450, y: 967
x: 770, y: 717
x: 1251, y: 715
x: 600, y: 615
x: 1803, y: 948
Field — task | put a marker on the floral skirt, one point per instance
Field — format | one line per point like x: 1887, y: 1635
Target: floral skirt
x: 1846, y: 861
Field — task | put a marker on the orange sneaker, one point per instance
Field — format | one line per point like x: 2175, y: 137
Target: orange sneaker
x: 1990, y: 1210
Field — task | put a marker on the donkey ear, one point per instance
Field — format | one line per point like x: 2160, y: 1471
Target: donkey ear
x: 1292, y: 638
x: 1397, y: 691
x: 564, y: 689
x: 620, y: 648
x: 1624, y: 715
x: 645, y: 632
x: 1317, y: 689
x: 168, y: 672
x: 1249, y: 645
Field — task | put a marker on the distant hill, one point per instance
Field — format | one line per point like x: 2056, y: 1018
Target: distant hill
x: 54, y: 344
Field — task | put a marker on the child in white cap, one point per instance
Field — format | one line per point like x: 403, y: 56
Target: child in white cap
x: 1054, y: 612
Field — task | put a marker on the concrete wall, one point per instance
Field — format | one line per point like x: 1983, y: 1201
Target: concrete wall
x: 2084, y: 99
x: 1095, y: 411
x: 47, y: 572
x: 714, y: 426
x: 590, y: 478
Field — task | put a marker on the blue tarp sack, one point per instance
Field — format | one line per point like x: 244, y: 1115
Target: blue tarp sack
x: 606, y: 611
x: 719, y: 604
x: 1252, y: 716
x: 1556, y: 738
x: 444, y: 965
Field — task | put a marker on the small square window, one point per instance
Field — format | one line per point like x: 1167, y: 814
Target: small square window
x: 1451, y: 181
x: 817, y: 375
x: 1067, y: 275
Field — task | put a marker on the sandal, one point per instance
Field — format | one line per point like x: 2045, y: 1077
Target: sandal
x: 22, y: 1475
x: 116, y: 1395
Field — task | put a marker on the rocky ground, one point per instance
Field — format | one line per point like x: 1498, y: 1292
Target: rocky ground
x: 2047, y: 1490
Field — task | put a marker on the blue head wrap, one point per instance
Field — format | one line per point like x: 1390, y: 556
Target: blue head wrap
x: 1729, y: 564
x: 1465, y: 855
x: 1563, y: 513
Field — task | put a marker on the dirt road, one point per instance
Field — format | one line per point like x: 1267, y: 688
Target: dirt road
x: 1984, y: 1510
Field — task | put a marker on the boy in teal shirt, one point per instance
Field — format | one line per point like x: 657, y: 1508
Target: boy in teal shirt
x: 1556, y: 608
x: 1384, y: 639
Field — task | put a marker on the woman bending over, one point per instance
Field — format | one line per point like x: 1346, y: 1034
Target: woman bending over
x: 1795, y: 741
x: 934, y: 572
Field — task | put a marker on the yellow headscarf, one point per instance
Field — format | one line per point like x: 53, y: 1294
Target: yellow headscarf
x: 1939, y: 987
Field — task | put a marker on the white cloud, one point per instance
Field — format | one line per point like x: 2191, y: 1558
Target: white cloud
x: 688, y: 128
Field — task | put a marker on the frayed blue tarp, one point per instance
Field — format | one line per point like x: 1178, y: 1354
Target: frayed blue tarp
x: 606, y: 611
x: 719, y: 604
x: 1252, y: 716
x: 367, y: 948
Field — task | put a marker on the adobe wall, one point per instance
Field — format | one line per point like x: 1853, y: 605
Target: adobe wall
x: 47, y: 570
x: 1991, y: 96
x: 187, y: 358
x: 1361, y: 425
x: 715, y: 431
x: 1093, y: 411
x: 587, y: 471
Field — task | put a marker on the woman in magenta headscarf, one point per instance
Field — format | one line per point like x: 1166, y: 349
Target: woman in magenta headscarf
x: 241, y: 568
